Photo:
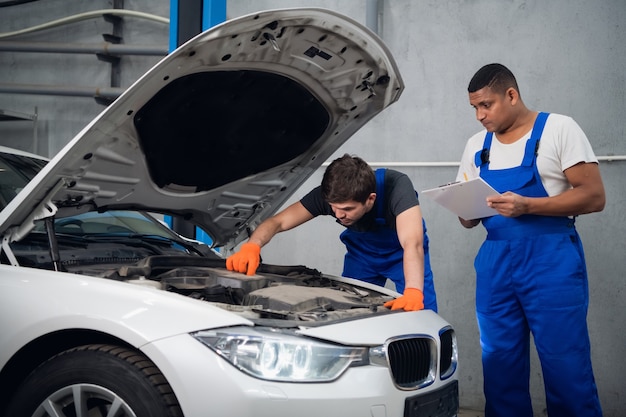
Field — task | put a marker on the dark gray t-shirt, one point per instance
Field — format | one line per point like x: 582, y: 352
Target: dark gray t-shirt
x: 399, y: 196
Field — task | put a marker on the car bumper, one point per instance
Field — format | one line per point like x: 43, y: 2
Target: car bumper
x: 207, y: 385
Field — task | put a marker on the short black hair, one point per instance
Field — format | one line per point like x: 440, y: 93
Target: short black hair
x: 495, y: 76
x: 348, y: 178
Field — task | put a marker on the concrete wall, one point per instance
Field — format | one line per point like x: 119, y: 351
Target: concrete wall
x: 569, y: 57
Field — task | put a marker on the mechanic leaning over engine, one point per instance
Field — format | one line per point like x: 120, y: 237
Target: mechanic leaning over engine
x: 385, y: 234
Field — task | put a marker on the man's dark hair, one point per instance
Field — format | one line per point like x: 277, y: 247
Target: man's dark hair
x: 348, y: 178
x: 495, y: 76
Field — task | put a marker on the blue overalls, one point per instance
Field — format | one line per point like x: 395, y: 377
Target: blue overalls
x: 374, y: 256
x: 531, y: 277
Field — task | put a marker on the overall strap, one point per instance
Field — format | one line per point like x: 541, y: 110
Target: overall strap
x: 380, y: 196
x: 532, y: 145
x: 482, y: 157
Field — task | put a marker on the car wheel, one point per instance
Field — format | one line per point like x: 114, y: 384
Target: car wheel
x: 96, y: 381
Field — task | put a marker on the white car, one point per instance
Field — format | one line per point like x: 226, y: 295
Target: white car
x: 105, y: 312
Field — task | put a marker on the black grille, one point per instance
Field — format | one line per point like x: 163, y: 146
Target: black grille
x: 410, y: 361
x: 447, y: 358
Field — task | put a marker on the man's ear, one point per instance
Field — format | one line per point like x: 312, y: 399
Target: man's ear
x: 512, y: 95
x: 371, y: 199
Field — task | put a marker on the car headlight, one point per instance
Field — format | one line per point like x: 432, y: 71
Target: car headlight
x: 278, y: 356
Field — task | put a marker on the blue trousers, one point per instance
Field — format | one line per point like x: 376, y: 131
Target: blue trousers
x: 535, y: 284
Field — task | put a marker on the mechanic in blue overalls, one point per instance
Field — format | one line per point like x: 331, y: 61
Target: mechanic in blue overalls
x: 385, y: 234
x: 530, y: 270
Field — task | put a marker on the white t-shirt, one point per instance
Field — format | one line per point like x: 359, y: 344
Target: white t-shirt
x: 563, y: 144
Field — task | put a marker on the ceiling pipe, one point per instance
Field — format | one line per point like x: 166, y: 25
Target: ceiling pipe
x: 52, y: 90
x: 83, y: 48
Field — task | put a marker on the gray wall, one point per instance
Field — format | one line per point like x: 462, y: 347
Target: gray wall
x: 569, y: 57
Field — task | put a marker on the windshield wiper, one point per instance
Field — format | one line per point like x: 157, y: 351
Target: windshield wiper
x: 151, y: 239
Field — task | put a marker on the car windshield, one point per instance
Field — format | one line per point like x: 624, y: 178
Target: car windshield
x: 15, y: 172
x: 121, y: 226
x: 109, y: 239
x: 116, y: 222
x: 102, y: 233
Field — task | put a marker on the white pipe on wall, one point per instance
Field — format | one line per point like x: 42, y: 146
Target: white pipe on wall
x: 607, y: 158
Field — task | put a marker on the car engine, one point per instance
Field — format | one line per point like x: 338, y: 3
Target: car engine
x: 279, y: 293
x: 275, y: 292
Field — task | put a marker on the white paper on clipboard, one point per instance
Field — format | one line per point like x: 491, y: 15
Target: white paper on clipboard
x: 466, y: 199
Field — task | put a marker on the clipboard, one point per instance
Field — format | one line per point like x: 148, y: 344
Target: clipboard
x: 466, y: 199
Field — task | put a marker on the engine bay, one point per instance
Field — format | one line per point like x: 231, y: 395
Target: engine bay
x: 277, y: 292
x: 286, y: 295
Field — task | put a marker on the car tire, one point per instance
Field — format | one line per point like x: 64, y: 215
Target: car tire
x: 91, y: 381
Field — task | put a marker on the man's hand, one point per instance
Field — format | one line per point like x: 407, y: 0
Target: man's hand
x: 468, y: 224
x: 246, y: 260
x: 509, y: 204
x: 411, y: 300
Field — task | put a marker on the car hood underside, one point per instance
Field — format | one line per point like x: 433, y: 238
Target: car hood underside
x: 223, y: 130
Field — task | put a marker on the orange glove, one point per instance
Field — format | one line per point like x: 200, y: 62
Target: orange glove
x: 411, y: 300
x: 246, y: 260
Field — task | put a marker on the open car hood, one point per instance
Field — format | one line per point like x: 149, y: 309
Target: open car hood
x: 224, y: 129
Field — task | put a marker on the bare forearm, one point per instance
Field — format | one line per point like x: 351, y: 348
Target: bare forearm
x: 413, y: 263
x: 265, y: 232
x: 586, y: 196
x: 287, y: 219
x: 581, y: 200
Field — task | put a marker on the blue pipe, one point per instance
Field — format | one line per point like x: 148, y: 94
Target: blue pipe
x: 213, y: 12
